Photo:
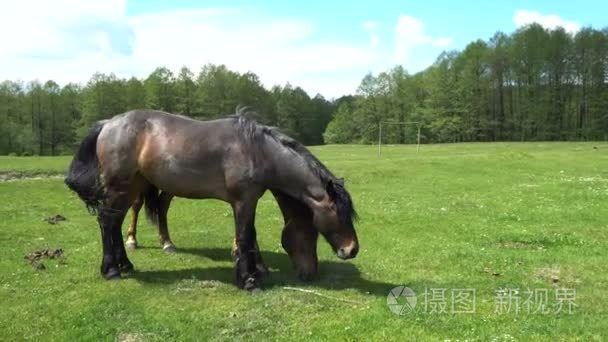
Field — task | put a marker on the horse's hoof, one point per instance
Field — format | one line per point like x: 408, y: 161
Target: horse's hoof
x: 131, y: 245
x: 112, y: 274
x: 126, y: 268
x: 252, y: 285
x: 262, y: 269
x: 169, y: 248
x: 256, y: 291
x: 306, y: 276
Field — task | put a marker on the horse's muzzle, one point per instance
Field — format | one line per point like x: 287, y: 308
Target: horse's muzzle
x: 349, y: 251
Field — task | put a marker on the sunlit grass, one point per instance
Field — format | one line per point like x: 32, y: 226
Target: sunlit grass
x: 464, y: 216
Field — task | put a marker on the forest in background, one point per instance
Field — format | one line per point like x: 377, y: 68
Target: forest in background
x: 534, y: 84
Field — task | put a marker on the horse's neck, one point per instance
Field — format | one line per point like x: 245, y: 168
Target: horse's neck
x: 292, y: 175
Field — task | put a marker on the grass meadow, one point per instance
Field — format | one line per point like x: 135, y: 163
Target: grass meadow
x: 514, y: 234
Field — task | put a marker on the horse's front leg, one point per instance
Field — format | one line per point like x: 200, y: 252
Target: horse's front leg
x: 300, y: 242
x: 259, y: 262
x: 247, y: 276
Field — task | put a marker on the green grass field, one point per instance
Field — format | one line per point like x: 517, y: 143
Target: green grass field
x: 481, y: 217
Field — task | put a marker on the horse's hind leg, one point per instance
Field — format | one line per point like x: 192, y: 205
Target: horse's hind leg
x: 132, y: 233
x: 163, y: 228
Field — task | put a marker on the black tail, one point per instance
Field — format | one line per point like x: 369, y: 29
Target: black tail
x: 83, y: 175
x: 152, y: 203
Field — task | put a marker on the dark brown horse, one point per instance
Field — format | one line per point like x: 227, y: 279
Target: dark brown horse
x: 234, y: 159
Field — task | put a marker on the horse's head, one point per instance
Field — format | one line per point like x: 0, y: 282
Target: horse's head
x: 333, y: 216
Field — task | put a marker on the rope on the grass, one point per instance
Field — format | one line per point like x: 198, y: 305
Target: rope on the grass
x: 316, y: 293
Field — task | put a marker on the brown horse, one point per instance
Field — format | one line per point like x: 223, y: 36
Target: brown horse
x: 234, y: 159
x: 160, y: 221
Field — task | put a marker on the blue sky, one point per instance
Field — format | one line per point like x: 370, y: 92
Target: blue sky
x: 466, y: 20
x: 325, y: 47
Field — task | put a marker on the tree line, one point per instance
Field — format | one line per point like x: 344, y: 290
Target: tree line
x: 46, y: 119
x: 534, y: 84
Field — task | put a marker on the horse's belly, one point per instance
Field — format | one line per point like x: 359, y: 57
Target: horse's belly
x: 184, y: 181
x: 193, y: 188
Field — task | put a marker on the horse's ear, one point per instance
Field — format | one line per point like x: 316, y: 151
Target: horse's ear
x: 340, y: 181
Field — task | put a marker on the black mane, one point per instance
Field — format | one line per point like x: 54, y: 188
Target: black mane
x: 257, y: 132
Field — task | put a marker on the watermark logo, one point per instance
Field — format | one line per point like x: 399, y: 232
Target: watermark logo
x: 401, y: 300
x: 443, y: 301
x: 534, y: 301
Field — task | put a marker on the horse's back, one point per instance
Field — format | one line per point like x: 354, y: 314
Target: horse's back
x: 177, y: 154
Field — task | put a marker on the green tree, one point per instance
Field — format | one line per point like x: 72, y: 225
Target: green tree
x: 343, y: 128
x: 103, y: 97
x: 185, y: 90
x: 160, y: 90
x: 217, y: 87
x: 135, y: 94
x: 11, y: 97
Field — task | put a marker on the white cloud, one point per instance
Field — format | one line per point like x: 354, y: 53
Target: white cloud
x: 548, y: 21
x: 64, y: 40
x: 410, y: 34
x: 371, y: 28
x: 68, y: 40
x: 63, y: 27
x: 278, y: 50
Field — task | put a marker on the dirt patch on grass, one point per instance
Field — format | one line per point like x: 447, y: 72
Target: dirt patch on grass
x: 36, y: 257
x: 134, y: 337
x: 551, y: 274
x: 12, y: 176
x: 55, y: 219
x: 555, y: 275
x: 491, y: 271
x: 521, y: 245
x: 190, y: 285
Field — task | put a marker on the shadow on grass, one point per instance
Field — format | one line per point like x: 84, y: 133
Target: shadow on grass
x: 335, y: 275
